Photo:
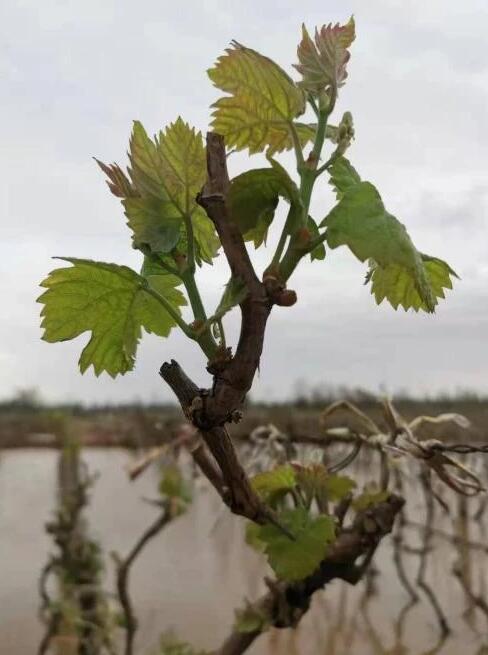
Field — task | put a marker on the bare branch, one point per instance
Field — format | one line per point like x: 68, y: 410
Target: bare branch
x: 420, y: 580
x: 122, y: 577
x: 234, y: 381
x: 238, y: 493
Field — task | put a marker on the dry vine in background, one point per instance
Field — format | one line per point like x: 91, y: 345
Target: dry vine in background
x: 79, y: 611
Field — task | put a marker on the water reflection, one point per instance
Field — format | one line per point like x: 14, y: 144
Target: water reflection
x: 194, y: 574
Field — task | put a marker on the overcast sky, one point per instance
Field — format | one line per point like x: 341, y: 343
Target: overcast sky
x: 74, y: 75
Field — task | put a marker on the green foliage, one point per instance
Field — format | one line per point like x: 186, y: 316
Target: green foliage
x: 153, y: 223
x: 207, y: 242
x: 253, y: 198
x: 319, y: 251
x: 252, y: 537
x: 369, y: 498
x: 153, y: 266
x: 118, y: 182
x: 360, y: 221
x: 259, y: 111
x: 323, y: 63
x: 312, y: 534
x: 166, y: 175
x: 394, y: 284
x: 173, y: 169
x: 250, y: 620
x: 113, y: 303
x: 317, y: 484
x: 173, y: 485
x: 295, y: 559
x: 339, y: 486
x: 263, y: 101
x: 170, y: 645
x: 343, y: 176
x: 234, y: 293
x: 279, y: 479
x: 307, y: 133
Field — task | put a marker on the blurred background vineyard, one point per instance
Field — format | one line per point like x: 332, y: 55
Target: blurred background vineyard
x: 207, y: 543
x: 26, y: 421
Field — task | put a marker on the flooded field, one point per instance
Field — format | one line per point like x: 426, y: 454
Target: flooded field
x: 193, y: 575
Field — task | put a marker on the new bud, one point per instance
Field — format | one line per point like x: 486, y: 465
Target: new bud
x: 303, y: 237
x: 197, y: 326
x: 345, y: 133
x: 324, y: 100
x: 286, y: 298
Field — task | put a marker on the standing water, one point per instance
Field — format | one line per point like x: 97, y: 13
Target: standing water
x: 192, y: 575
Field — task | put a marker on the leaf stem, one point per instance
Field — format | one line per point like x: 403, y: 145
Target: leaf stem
x: 175, y: 315
x: 204, y: 338
x: 191, y: 243
x: 206, y: 342
x: 310, y: 171
x: 308, y: 174
x: 337, y: 153
x: 313, y: 104
x: 222, y: 333
x: 297, y: 147
x: 290, y: 261
x: 191, y: 287
x: 167, y: 267
x: 282, y: 242
x: 317, y: 241
x: 301, y: 166
x: 295, y: 251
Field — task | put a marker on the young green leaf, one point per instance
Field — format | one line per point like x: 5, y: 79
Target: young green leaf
x: 173, y: 169
x: 395, y: 284
x: 307, y: 132
x: 234, y: 293
x: 323, y: 64
x: 281, y: 478
x: 339, y: 486
x: 295, y: 559
x: 361, y: 222
x: 165, y: 286
x: 147, y: 171
x: 398, y: 272
x: 343, y: 176
x: 369, y: 498
x: 118, y: 182
x: 207, y: 242
x: 173, y: 485
x: 170, y: 645
x: 250, y: 620
x: 253, y: 198
x: 316, y: 483
x: 154, y: 265
x: 184, y: 164
x: 160, y: 199
x: 252, y: 539
x: 263, y: 101
x: 155, y: 223
x: 113, y: 303
x: 319, y: 251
